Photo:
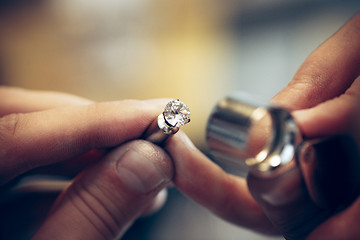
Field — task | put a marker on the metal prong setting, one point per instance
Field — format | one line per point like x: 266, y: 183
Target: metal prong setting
x: 175, y: 115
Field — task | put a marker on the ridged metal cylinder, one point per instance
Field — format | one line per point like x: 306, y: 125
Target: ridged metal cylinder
x: 252, y: 135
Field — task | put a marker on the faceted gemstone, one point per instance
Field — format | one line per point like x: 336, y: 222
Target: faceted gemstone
x: 176, y: 113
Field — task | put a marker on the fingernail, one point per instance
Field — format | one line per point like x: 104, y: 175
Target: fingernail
x: 139, y: 171
x: 307, y: 153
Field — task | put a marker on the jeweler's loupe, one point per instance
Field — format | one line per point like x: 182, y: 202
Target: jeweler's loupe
x: 252, y: 135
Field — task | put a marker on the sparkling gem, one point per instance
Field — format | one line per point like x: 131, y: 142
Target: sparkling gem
x: 176, y: 113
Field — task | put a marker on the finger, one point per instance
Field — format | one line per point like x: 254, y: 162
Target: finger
x: 156, y: 204
x: 302, y: 197
x: 344, y: 225
x: 286, y: 202
x: 206, y: 183
x: 337, y: 116
x: 42, y: 138
x: 17, y: 100
x: 327, y: 72
x: 71, y: 167
x: 287, y: 196
x: 106, y: 198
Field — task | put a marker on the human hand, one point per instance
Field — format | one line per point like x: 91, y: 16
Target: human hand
x: 118, y: 178
x: 323, y: 97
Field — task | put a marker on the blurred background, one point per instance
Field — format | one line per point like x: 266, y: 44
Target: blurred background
x: 194, y: 50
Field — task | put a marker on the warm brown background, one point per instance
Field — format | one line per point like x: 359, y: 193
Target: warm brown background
x: 195, y: 50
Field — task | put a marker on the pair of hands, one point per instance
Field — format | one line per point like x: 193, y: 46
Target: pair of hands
x: 119, y: 178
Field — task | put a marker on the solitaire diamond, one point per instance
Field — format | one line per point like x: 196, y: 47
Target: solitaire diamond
x: 175, y: 115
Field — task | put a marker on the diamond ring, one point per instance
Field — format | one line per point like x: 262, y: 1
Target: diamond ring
x: 175, y: 115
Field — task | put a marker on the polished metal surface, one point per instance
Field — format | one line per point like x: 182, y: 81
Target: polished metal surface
x: 252, y: 135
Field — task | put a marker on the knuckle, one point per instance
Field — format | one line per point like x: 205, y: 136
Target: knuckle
x: 9, y: 127
x: 311, y: 82
x: 356, y: 19
x: 105, y: 122
x: 311, y: 73
x: 93, y: 204
x: 94, y: 136
x: 9, y: 146
x: 9, y: 123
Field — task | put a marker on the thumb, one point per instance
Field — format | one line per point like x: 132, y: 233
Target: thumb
x: 107, y: 197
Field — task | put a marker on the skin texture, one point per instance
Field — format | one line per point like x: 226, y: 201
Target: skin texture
x: 323, y: 97
x: 118, y: 178
x: 96, y: 142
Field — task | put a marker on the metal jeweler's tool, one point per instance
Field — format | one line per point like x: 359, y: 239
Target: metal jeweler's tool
x: 252, y: 136
x: 263, y: 139
x: 298, y: 184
